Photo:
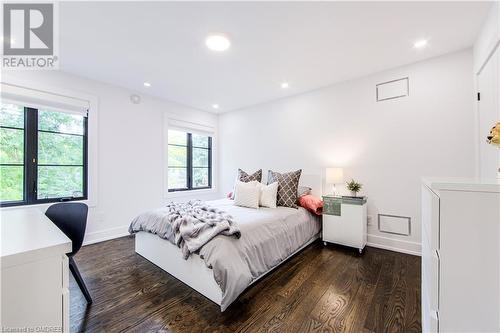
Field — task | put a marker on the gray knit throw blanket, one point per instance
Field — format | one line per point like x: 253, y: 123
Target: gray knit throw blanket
x: 188, y: 225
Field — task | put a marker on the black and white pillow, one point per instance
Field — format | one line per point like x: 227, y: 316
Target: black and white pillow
x: 288, y: 184
x: 246, y: 178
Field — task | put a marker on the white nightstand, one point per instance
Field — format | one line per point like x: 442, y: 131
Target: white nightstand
x: 345, y: 221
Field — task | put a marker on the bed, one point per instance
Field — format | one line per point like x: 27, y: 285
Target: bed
x: 225, y: 266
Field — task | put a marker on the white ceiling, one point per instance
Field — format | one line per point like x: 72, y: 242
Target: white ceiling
x: 310, y: 45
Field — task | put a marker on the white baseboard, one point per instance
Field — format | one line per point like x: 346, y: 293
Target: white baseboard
x: 373, y: 240
x: 106, y: 234
x: 394, y: 245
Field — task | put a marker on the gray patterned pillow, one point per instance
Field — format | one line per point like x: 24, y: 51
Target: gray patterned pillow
x: 303, y: 190
x: 288, y: 183
x: 246, y: 178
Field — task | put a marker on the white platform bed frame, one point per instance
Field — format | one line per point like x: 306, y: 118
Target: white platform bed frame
x: 192, y: 271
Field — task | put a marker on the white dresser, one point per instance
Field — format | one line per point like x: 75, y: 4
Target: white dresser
x: 460, y: 255
x: 34, y: 273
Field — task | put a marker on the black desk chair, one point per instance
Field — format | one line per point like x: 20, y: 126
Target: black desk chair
x: 71, y: 218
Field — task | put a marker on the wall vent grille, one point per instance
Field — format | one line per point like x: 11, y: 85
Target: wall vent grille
x: 392, y: 89
x: 394, y: 224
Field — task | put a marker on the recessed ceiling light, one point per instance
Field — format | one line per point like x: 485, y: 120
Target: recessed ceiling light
x: 136, y: 99
x: 217, y: 42
x: 215, y: 106
x: 147, y: 84
x: 420, y: 43
x: 285, y: 85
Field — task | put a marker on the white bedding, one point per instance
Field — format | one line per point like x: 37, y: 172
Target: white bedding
x: 268, y: 236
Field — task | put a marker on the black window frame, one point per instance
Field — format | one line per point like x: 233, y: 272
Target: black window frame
x: 189, y: 164
x: 30, y: 176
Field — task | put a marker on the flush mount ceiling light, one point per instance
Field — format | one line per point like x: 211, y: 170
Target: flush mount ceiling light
x: 215, y: 106
x: 147, y: 84
x: 284, y: 85
x: 419, y: 44
x: 217, y: 42
x: 136, y: 99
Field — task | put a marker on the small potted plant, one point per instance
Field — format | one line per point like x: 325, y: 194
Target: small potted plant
x: 354, y: 187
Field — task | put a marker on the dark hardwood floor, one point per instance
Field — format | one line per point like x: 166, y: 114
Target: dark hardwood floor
x: 321, y: 289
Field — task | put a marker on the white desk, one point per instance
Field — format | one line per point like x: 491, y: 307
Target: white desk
x: 34, y: 277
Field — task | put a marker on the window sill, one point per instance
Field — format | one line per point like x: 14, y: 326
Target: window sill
x: 44, y: 206
x: 190, y: 193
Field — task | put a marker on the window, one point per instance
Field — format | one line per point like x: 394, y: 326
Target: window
x: 189, y: 161
x: 11, y: 153
x: 43, y: 155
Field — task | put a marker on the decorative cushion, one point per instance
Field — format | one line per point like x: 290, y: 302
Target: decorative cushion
x: 312, y: 204
x: 288, y: 184
x: 303, y: 190
x: 268, y: 195
x: 247, y: 194
x: 246, y: 178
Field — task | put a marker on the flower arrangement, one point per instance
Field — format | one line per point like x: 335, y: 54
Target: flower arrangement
x: 494, y: 136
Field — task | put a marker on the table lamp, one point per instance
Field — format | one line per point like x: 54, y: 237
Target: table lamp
x: 334, y: 176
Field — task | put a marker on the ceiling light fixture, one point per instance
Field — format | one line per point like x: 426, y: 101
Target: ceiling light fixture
x: 215, y: 106
x: 285, y: 85
x: 147, y: 84
x: 136, y: 99
x: 420, y: 43
x: 217, y: 42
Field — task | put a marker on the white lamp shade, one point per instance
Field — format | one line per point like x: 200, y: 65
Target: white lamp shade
x: 334, y: 175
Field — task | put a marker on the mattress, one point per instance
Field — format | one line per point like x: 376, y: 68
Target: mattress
x: 268, y: 236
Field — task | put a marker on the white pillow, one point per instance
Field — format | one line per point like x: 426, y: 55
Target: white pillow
x: 268, y: 195
x: 247, y: 194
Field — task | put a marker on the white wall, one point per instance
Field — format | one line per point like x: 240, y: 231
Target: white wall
x: 388, y: 146
x: 488, y: 38
x: 486, y: 81
x: 130, y: 149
